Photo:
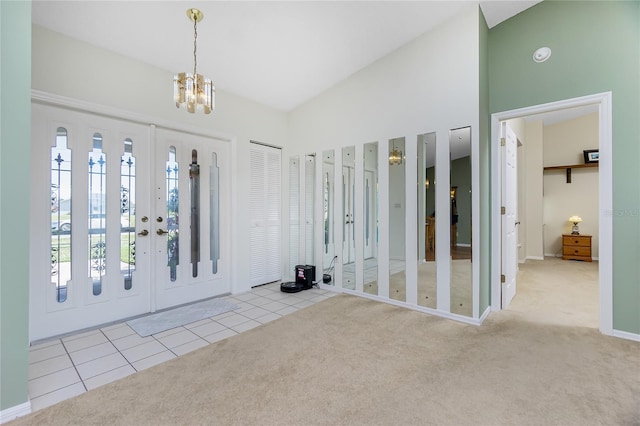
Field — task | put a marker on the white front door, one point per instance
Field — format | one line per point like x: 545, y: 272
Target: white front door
x: 191, y: 202
x: 510, y: 206
x: 96, y: 205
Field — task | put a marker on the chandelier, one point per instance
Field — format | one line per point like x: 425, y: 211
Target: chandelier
x: 194, y: 91
x: 395, y: 156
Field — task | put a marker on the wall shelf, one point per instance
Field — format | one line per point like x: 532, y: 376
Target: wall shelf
x: 569, y: 167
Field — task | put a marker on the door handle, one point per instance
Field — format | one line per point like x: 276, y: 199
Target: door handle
x: 143, y: 233
x: 518, y: 223
x: 161, y: 231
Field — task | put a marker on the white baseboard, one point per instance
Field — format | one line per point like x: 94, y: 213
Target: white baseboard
x: 15, y: 412
x: 485, y: 314
x: 535, y: 258
x: 626, y: 335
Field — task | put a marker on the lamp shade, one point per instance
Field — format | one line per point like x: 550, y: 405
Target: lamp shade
x: 575, y: 219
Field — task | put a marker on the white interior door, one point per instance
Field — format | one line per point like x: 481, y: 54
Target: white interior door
x: 510, y: 206
x: 348, y: 200
x: 265, y: 215
x: 192, y: 202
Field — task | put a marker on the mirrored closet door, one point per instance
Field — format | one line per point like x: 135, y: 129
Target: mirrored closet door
x: 397, y: 219
x: 426, y: 185
x: 460, y: 211
x: 370, y: 218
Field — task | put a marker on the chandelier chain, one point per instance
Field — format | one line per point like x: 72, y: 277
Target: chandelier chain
x: 195, y: 46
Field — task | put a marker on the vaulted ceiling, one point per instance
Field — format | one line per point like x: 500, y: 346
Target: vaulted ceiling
x: 280, y: 53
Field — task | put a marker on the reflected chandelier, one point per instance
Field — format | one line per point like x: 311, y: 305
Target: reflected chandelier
x: 395, y: 156
x: 193, y: 91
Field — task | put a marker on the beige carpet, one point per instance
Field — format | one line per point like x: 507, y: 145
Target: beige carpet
x: 353, y: 361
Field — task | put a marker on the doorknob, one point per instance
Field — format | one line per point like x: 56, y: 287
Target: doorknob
x: 161, y: 231
x: 143, y: 233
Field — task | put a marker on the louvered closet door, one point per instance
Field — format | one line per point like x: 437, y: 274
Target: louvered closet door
x: 264, y: 215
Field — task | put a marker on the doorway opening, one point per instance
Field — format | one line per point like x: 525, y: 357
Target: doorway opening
x: 552, y: 244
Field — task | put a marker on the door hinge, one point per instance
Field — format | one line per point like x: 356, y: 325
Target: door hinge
x: 503, y: 279
x: 503, y: 210
x: 503, y: 141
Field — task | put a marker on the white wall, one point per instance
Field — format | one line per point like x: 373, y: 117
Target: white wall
x: 563, y: 145
x: 68, y: 67
x: 429, y: 85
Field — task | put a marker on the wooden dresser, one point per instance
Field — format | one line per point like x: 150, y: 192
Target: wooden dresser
x: 576, y: 247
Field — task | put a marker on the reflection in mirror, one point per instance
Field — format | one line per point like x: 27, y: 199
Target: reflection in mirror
x: 370, y: 218
x: 348, y: 222
x: 397, y: 283
x: 309, y: 197
x: 426, y: 220
x: 460, y: 210
x: 294, y: 213
x: 328, y: 246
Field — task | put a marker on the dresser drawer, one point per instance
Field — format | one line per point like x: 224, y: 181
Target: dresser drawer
x: 576, y: 240
x: 576, y: 251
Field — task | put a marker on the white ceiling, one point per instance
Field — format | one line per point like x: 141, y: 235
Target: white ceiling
x: 280, y: 54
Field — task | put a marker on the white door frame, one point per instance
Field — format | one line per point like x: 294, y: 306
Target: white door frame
x: 605, y: 176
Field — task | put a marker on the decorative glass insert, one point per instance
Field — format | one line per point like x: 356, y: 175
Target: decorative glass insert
x: 173, y: 242
x: 60, y: 215
x: 127, y: 214
x: 214, y: 214
x: 194, y: 209
x: 97, y: 214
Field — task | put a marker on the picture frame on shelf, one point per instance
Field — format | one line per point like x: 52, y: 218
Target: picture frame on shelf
x: 591, y: 156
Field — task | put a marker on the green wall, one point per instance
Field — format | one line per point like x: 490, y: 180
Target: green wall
x: 596, y: 48
x: 15, y: 143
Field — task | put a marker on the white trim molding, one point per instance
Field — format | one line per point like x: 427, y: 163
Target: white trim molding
x: 603, y: 100
x: 626, y: 335
x: 14, y: 412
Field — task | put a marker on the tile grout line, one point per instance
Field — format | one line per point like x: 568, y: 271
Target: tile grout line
x: 74, y: 365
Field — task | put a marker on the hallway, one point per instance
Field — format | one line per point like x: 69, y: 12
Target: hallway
x: 556, y: 291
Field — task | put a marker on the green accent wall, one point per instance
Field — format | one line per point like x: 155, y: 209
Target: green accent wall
x: 484, y: 244
x: 595, y: 48
x: 15, y: 147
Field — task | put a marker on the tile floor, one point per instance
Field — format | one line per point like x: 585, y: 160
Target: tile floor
x: 66, y: 367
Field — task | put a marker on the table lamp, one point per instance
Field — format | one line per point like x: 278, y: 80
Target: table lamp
x: 575, y: 220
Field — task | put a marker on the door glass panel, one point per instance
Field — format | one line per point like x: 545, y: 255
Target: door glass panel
x: 309, y: 206
x: 426, y: 220
x: 328, y: 255
x: 460, y: 197
x: 97, y: 214
x: 173, y: 242
x: 294, y: 212
x: 370, y: 218
x: 194, y: 210
x: 214, y: 217
x: 397, y: 216
x: 127, y: 214
x: 60, y: 215
x: 348, y: 222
